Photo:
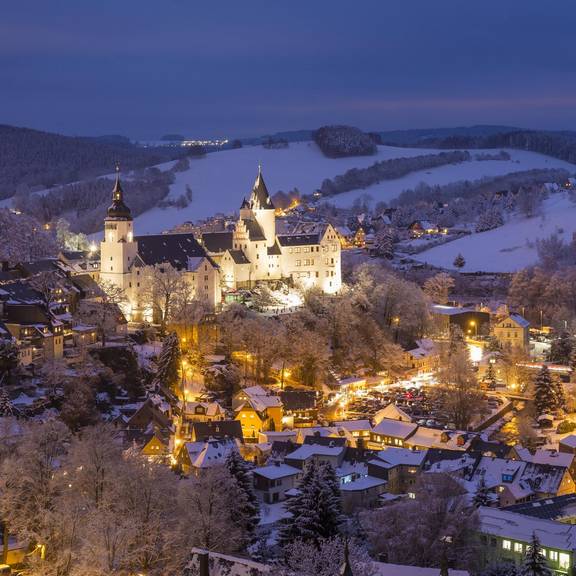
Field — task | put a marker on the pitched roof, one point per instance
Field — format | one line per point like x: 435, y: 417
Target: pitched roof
x: 298, y: 399
x: 274, y: 250
x: 174, y: 249
x: 391, y: 412
x: 239, y: 257
x: 520, y: 320
x: 260, y: 199
x: 298, y: 239
x: 221, y: 429
x: 549, y: 508
x: 395, y: 428
x: 217, y: 241
x: 276, y: 471
x: 255, y: 232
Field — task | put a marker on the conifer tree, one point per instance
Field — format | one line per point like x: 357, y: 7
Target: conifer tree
x: 459, y: 262
x: 544, y: 392
x: 534, y: 563
x: 316, y: 513
x: 249, y: 508
x: 559, y: 393
x: 491, y: 376
x: 482, y: 496
x: 6, y: 406
x: 561, y: 349
x: 168, y: 373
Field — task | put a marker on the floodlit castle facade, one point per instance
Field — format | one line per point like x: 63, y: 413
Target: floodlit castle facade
x: 250, y: 253
x: 253, y: 252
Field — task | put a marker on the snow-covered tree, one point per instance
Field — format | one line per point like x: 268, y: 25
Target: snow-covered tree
x: 106, y: 312
x: 534, y: 563
x: 544, y: 392
x: 316, y: 512
x: 8, y: 357
x: 501, y: 569
x: 208, y: 503
x: 324, y: 558
x: 561, y: 349
x: 162, y: 287
x: 482, y: 496
x: 6, y: 406
x: 490, y: 376
x: 489, y: 219
x: 559, y: 393
x: 438, y: 287
x: 384, y: 242
x: 168, y: 372
x: 247, y: 511
x: 459, y: 261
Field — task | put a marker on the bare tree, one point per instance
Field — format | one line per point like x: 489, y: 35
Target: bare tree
x: 162, y: 287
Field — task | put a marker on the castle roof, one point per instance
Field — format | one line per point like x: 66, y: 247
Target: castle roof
x: 298, y: 239
x: 217, y: 241
x: 255, y: 232
x: 174, y: 249
x: 260, y: 199
x: 118, y: 210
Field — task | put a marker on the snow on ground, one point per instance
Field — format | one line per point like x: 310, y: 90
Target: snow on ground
x: 520, y: 160
x: 221, y: 179
x: 510, y: 247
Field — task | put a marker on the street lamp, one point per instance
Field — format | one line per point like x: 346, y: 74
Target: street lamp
x: 474, y: 325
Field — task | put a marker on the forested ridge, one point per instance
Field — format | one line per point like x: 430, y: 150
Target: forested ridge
x: 31, y: 159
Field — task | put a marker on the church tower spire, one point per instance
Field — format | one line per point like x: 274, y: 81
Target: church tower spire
x: 118, y: 209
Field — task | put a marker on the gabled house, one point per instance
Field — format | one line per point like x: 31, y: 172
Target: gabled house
x: 194, y: 457
x: 273, y: 481
x: 512, y: 331
x: 257, y: 410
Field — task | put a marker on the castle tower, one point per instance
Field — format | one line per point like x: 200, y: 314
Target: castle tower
x: 118, y: 249
x: 263, y: 209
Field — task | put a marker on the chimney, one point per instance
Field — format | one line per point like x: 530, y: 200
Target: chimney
x: 203, y: 564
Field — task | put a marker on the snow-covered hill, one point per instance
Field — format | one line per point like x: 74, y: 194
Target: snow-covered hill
x: 221, y: 179
x: 512, y: 246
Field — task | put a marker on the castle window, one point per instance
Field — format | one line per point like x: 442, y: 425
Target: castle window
x: 298, y: 262
x: 110, y: 258
x: 129, y: 284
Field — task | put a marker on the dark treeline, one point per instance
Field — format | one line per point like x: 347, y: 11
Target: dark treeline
x: 357, y: 178
x: 30, y: 159
x: 560, y: 145
x: 343, y: 141
x: 84, y: 204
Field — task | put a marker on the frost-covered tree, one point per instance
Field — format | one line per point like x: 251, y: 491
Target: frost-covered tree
x: 505, y: 569
x: 209, y: 502
x: 544, y: 392
x: 438, y: 287
x: 163, y: 285
x: 559, y: 394
x: 489, y: 219
x: 168, y: 371
x: 247, y: 511
x: 324, y: 558
x: 6, y: 406
x: 459, y: 262
x: 47, y: 285
x: 384, y: 242
x: 534, y: 563
x: 490, y: 376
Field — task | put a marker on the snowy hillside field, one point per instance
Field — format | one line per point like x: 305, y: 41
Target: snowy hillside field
x: 512, y: 246
x: 221, y: 179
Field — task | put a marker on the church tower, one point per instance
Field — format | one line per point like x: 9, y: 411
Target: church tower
x: 263, y: 209
x: 118, y: 249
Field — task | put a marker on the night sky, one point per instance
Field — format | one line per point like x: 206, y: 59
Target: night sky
x: 213, y: 68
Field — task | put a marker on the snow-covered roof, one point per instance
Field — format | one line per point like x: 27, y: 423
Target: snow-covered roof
x: 364, y: 483
x: 274, y: 472
x: 400, y: 456
x: 395, y: 428
x: 551, y: 457
x: 424, y: 348
x: 208, y: 408
x: 521, y: 527
x: 569, y: 441
x: 520, y: 320
x: 354, y: 425
x: 391, y: 412
x: 449, y: 310
x: 385, y: 569
x: 308, y: 450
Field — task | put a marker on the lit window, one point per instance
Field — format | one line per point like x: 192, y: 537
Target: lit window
x: 564, y: 561
x: 553, y: 555
x: 518, y: 547
x: 412, y: 495
x: 506, y: 545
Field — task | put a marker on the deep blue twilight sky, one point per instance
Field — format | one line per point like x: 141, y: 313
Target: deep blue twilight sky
x: 243, y: 67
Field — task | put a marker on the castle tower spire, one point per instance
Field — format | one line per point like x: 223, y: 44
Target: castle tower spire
x: 260, y: 198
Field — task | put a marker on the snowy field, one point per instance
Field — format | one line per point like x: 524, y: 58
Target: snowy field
x: 220, y: 180
x: 510, y: 247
